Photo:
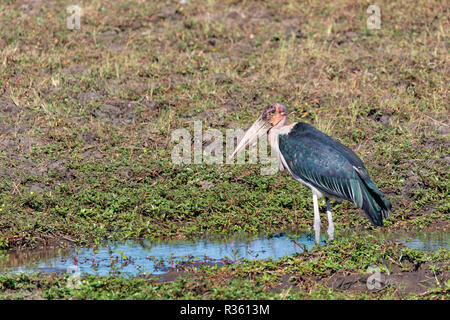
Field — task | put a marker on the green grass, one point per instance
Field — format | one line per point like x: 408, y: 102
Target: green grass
x: 86, y: 115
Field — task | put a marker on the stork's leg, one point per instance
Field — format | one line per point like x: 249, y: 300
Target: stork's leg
x: 330, y: 221
x: 316, y: 218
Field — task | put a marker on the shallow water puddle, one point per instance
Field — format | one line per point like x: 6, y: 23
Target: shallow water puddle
x: 145, y: 257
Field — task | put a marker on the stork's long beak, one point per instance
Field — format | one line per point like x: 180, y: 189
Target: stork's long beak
x: 258, y: 128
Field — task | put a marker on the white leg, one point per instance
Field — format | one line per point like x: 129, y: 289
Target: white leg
x: 330, y: 221
x: 316, y: 218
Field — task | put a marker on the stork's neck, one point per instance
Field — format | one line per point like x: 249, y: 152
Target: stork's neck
x: 273, y: 141
x: 273, y: 138
x: 274, y: 132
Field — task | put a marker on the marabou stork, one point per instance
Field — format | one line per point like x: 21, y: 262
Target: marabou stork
x: 323, y: 164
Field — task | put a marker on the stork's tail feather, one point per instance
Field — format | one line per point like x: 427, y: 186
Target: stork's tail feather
x: 375, y: 204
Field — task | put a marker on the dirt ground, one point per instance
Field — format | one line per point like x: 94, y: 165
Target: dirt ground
x: 86, y: 118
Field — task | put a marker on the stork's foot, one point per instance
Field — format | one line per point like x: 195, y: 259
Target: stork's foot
x: 330, y: 233
x: 316, y: 219
x: 330, y: 221
x: 317, y: 231
x: 317, y: 240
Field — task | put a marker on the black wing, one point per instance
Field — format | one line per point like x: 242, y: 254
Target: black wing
x: 332, y: 168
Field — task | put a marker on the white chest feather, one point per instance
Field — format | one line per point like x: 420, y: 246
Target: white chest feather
x: 273, y: 141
